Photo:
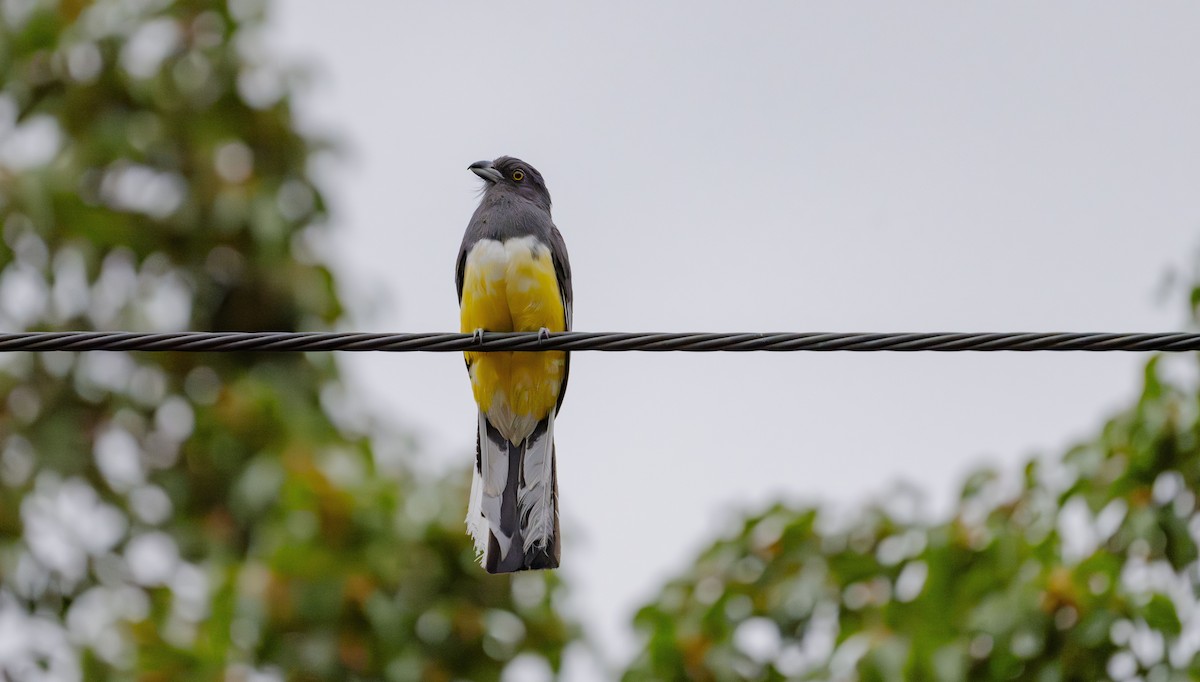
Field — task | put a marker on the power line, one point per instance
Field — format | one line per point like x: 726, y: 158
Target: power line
x: 601, y: 341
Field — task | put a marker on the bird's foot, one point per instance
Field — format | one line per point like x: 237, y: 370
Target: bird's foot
x: 477, y: 337
x: 543, y: 334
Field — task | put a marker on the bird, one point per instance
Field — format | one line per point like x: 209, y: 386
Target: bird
x: 513, y: 275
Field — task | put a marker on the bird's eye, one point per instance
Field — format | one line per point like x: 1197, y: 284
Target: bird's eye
x: 518, y: 176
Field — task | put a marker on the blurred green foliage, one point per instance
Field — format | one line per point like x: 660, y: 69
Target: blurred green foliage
x: 203, y: 516
x: 1084, y: 568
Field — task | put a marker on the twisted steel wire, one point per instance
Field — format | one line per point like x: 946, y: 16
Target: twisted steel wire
x: 599, y: 341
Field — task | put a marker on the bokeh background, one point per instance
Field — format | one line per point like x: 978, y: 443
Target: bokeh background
x: 213, y: 165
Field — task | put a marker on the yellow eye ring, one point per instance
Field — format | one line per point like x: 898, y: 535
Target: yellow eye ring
x: 518, y: 176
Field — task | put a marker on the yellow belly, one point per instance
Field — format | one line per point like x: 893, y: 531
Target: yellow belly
x: 512, y: 287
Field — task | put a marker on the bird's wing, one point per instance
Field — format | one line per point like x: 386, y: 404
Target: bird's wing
x: 460, y: 269
x: 562, y: 272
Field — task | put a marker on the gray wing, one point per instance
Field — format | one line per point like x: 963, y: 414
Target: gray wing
x: 562, y: 272
x: 458, y: 271
x: 460, y: 266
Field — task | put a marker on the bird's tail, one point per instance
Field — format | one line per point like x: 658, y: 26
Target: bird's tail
x: 513, y: 513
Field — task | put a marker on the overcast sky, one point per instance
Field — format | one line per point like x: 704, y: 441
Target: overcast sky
x: 1014, y: 166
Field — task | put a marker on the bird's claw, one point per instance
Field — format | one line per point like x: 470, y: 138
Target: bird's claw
x: 543, y: 334
x: 477, y: 337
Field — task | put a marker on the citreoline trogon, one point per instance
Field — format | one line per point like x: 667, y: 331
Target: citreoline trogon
x: 513, y: 276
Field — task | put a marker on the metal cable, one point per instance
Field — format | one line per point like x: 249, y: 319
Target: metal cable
x: 603, y: 341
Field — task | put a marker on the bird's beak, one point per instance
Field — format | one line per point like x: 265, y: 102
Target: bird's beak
x: 484, y: 170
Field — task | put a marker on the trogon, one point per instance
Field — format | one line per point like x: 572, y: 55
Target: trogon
x: 513, y: 276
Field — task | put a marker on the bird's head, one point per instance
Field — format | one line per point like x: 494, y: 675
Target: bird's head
x: 509, y: 174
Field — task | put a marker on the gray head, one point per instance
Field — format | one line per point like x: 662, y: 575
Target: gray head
x: 509, y: 174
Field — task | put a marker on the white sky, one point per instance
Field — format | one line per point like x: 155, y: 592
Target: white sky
x: 767, y: 167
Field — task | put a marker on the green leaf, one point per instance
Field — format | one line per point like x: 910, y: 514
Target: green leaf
x: 1160, y: 615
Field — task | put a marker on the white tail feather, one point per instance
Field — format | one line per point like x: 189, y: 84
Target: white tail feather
x: 535, y: 498
x: 493, y: 464
x: 477, y: 526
